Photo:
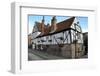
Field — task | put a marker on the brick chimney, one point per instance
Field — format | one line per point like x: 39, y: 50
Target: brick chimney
x: 42, y: 25
x: 53, y: 23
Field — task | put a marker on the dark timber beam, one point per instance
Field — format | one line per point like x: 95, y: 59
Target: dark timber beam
x: 70, y: 36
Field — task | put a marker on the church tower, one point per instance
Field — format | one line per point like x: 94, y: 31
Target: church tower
x: 53, y: 23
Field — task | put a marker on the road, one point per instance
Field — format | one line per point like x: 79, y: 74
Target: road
x: 33, y: 57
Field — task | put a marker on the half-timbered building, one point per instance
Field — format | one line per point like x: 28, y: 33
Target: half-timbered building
x: 64, y: 38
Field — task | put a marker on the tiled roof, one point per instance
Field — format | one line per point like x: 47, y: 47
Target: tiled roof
x: 61, y: 26
x: 64, y: 24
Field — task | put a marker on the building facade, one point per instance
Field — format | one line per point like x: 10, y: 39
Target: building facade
x: 64, y: 38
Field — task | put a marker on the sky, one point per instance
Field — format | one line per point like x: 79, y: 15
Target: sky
x: 83, y: 21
